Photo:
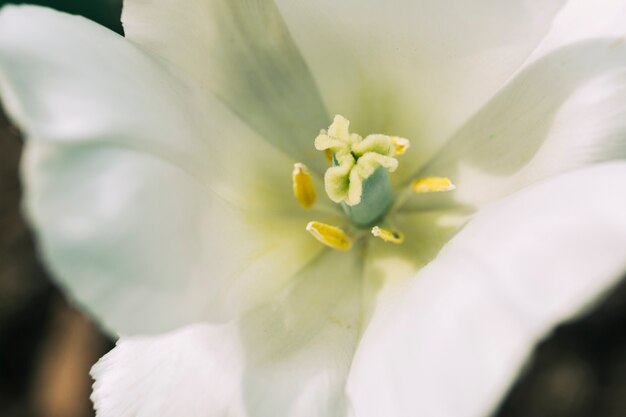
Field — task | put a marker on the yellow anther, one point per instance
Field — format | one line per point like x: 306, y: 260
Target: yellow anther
x: 388, y: 235
x: 329, y: 235
x: 329, y: 155
x: 401, y: 145
x: 303, y: 185
x: 432, y: 185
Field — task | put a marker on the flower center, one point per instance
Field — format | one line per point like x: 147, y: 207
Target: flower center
x: 358, y: 180
x: 359, y: 177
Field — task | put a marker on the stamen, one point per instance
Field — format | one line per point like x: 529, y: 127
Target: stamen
x: 329, y: 155
x: 401, y: 145
x: 432, y: 185
x: 329, y: 235
x: 388, y: 235
x: 303, y: 188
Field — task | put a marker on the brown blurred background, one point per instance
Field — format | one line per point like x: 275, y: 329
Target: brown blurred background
x: 47, y: 347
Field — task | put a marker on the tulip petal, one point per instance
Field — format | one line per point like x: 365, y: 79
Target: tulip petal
x: 153, y: 204
x: 389, y: 268
x: 565, y: 110
x: 460, y: 332
x: 242, y: 51
x: 288, y: 358
x: 416, y: 69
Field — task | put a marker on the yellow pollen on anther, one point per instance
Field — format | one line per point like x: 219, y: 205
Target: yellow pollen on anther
x: 330, y: 236
x: 401, y: 145
x: 329, y: 155
x: 303, y: 188
x: 432, y: 185
x: 388, y: 235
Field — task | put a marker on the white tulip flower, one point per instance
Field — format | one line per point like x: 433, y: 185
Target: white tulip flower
x: 181, y: 191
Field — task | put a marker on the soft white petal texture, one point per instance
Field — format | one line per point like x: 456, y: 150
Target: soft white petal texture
x: 581, y: 20
x: 151, y: 200
x: 419, y: 68
x: 242, y: 51
x: 388, y: 268
x: 465, y: 325
x: 288, y: 358
x: 566, y: 109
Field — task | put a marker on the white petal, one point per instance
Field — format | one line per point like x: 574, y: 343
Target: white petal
x: 289, y: 358
x: 416, y: 69
x: 564, y: 110
x: 388, y: 268
x: 461, y: 331
x: 242, y: 51
x: 153, y: 204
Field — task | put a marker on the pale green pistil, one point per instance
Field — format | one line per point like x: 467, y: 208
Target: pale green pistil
x: 358, y: 179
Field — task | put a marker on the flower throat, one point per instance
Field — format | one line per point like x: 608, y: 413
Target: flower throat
x: 359, y: 181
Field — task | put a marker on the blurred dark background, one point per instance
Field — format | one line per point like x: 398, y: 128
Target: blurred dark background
x: 105, y: 12
x: 47, y: 346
